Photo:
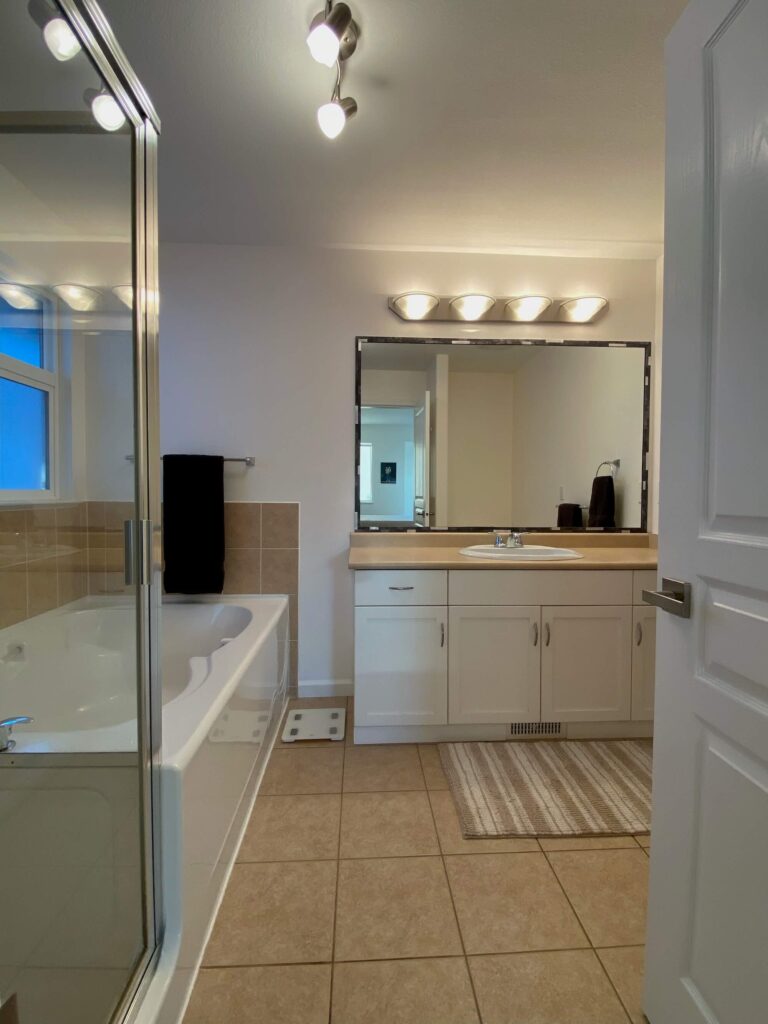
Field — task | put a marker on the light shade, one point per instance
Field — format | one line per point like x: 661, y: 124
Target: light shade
x: 326, y: 34
x: 415, y: 305
x: 107, y: 112
x: 77, y: 297
x: 18, y: 297
x: 472, y: 307
x: 60, y: 39
x: 583, y: 309
x: 334, y: 115
x: 124, y: 292
x: 527, y: 308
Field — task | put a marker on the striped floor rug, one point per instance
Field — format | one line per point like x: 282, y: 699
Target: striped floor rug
x: 566, y: 788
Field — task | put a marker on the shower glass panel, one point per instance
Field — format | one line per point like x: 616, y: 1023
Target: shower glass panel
x: 76, y: 878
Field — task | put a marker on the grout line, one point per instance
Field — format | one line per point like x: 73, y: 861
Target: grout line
x: 338, y: 872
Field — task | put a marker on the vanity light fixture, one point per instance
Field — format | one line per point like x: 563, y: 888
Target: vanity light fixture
x: 582, y: 310
x: 124, y: 292
x: 105, y: 109
x: 527, y: 308
x: 415, y: 305
x: 332, y: 34
x: 58, y: 36
x: 472, y: 307
x: 18, y: 297
x: 77, y: 297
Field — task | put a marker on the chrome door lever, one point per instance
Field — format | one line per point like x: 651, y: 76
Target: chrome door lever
x: 674, y: 597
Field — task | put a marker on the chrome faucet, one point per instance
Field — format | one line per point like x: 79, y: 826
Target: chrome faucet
x: 502, y: 538
x: 515, y: 540
x: 6, y: 728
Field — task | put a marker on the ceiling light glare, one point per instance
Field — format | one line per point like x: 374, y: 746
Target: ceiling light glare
x: 583, y: 309
x: 528, y: 308
x: 472, y: 307
x: 81, y: 299
x: 60, y: 39
x: 107, y: 112
x: 334, y: 115
x: 415, y: 305
x: 18, y: 297
x: 124, y: 292
x: 332, y: 35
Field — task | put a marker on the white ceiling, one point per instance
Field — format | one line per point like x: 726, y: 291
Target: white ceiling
x: 483, y: 124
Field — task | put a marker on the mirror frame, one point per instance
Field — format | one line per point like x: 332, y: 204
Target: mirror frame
x: 360, y: 340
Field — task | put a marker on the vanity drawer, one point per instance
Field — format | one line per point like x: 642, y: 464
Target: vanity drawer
x: 550, y: 587
x: 401, y: 586
x: 645, y: 579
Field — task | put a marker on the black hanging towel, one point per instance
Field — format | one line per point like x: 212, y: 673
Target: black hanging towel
x: 193, y: 524
x: 602, y: 507
x: 569, y: 516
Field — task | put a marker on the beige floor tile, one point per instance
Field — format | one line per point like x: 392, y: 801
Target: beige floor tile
x: 294, y: 772
x: 511, y: 902
x: 452, y: 841
x: 608, y: 890
x: 261, y: 995
x: 644, y: 841
x: 432, y: 766
x: 275, y: 914
x: 567, y: 987
x: 403, y: 992
x: 392, y: 908
x: 588, y: 843
x: 387, y: 825
x: 293, y: 828
x: 374, y: 769
x: 626, y: 967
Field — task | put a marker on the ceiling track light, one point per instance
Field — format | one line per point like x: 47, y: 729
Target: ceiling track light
x: 332, y: 34
x: 523, y: 309
x: 18, y: 296
x: 333, y: 116
x: 106, y: 110
x: 57, y: 33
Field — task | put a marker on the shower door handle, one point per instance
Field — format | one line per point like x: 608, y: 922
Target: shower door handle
x: 137, y: 541
x: 129, y: 551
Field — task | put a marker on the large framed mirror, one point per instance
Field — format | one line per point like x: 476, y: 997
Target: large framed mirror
x: 478, y: 434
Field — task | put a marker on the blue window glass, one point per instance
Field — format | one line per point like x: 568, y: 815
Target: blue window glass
x: 23, y: 437
x: 24, y: 343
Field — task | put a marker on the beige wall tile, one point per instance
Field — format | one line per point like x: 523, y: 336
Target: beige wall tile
x: 293, y: 828
x: 304, y: 771
x: 275, y: 914
x: 41, y: 531
x: 297, y: 994
x: 403, y: 992
x: 242, y: 571
x: 452, y: 840
x: 370, y: 769
x: 242, y: 524
x: 393, y: 908
x: 280, y: 571
x: 13, y: 595
x: 13, y: 536
x: 626, y: 969
x: 566, y: 987
x: 280, y: 525
x: 42, y: 585
x: 608, y: 890
x: 387, y: 825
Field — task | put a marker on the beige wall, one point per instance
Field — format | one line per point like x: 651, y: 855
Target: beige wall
x: 257, y: 358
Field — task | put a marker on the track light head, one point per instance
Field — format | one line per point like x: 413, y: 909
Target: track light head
x: 105, y: 109
x: 332, y: 35
x: 58, y: 36
x: 333, y: 116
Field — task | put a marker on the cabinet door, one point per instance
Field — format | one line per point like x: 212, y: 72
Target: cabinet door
x: 401, y: 666
x: 643, y: 663
x: 586, y: 664
x: 494, y: 664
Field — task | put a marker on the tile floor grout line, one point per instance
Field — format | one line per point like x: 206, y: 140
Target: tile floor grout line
x: 450, y: 893
x: 338, y: 868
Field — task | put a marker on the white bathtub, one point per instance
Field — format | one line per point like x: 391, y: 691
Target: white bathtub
x: 224, y: 681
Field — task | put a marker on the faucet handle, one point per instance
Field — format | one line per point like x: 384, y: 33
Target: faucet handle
x: 501, y: 535
x: 6, y: 728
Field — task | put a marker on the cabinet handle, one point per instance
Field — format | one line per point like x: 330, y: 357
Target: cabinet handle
x: 638, y: 634
x: 547, y: 634
x: 535, y: 634
x: 401, y: 588
x: 442, y: 634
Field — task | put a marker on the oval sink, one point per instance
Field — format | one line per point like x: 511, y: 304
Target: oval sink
x: 528, y: 553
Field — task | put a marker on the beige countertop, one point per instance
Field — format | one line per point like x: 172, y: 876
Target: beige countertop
x: 441, y: 551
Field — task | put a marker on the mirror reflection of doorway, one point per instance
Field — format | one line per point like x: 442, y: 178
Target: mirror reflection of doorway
x: 388, y: 464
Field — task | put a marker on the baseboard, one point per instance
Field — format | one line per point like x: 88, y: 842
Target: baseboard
x: 326, y: 688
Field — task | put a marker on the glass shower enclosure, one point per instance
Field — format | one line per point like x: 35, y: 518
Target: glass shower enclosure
x: 79, y: 497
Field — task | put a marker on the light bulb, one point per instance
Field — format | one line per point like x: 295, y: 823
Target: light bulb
x: 77, y: 297
x: 583, y: 309
x: 333, y: 116
x: 528, y: 307
x: 107, y: 112
x: 324, y: 45
x: 18, y: 297
x: 471, y: 307
x: 60, y: 39
x: 415, y: 305
x: 124, y: 292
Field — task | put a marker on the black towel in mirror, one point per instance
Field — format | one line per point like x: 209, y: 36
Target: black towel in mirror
x: 602, y: 506
x: 569, y: 516
x: 193, y: 524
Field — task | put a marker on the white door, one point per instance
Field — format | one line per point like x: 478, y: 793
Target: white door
x: 643, y: 663
x: 401, y: 666
x: 494, y: 661
x: 707, y: 958
x: 586, y: 664
x: 421, y: 435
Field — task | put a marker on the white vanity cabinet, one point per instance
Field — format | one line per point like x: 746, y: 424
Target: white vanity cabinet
x: 643, y: 662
